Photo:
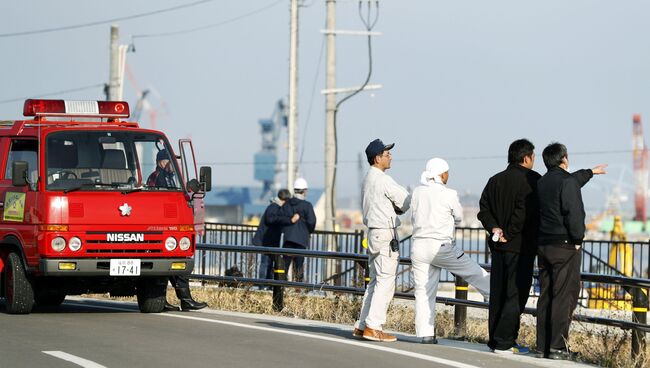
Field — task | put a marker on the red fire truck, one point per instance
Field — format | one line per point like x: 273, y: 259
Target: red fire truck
x: 79, y: 214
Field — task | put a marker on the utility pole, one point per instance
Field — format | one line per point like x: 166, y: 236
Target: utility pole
x: 116, y: 71
x: 293, y: 97
x: 331, y: 266
x: 330, y: 111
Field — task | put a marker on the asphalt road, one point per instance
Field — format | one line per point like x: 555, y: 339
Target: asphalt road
x: 93, y: 333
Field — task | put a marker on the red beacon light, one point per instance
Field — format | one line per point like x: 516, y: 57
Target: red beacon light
x: 95, y: 109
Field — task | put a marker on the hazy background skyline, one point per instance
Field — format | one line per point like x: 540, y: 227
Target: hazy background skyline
x: 461, y: 80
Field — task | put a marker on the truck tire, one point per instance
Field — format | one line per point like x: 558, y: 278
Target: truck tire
x: 152, y: 293
x: 45, y: 298
x: 19, y: 294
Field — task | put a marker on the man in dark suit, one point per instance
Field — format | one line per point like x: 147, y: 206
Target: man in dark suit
x: 561, y: 231
x: 297, y: 235
x: 509, y: 213
x: 268, y: 234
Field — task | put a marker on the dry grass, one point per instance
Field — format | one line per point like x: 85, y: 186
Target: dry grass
x: 607, y: 347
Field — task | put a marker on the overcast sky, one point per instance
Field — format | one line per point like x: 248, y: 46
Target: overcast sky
x: 462, y: 79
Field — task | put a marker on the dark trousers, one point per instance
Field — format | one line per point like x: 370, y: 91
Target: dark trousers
x: 510, y: 281
x: 266, y: 266
x: 298, y: 262
x: 180, y: 282
x: 559, y: 276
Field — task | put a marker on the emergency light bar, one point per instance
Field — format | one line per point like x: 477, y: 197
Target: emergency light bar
x: 97, y: 109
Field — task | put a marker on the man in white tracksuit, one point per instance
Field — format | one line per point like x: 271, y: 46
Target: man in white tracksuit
x: 436, y: 211
x: 382, y: 200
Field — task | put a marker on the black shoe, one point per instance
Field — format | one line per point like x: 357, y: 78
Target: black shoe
x: 170, y: 307
x: 429, y: 340
x: 191, y: 304
x: 187, y: 302
x: 561, y: 355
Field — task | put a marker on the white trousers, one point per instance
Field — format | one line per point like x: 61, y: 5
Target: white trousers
x: 428, y: 256
x: 381, y: 288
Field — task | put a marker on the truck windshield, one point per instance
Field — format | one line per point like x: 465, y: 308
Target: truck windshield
x: 123, y: 161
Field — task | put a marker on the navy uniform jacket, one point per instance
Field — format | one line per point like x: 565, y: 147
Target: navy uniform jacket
x: 299, y: 232
x: 269, y: 231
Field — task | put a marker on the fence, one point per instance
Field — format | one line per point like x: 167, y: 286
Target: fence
x: 630, y: 259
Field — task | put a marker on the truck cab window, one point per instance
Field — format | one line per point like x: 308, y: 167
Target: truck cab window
x: 103, y: 160
x: 24, y: 150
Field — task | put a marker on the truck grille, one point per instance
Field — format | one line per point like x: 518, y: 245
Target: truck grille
x: 97, y: 243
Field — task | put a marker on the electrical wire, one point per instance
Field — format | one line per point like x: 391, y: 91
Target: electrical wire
x: 422, y: 159
x: 100, y: 22
x: 208, y: 26
x: 53, y: 93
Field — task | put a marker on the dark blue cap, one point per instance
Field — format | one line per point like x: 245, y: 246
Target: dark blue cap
x: 376, y: 148
x: 162, y: 155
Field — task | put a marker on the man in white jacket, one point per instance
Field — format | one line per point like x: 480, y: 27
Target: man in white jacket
x: 435, y: 212
x: 382, y: 200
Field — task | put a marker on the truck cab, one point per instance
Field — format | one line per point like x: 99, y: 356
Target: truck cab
x: 93, y: 204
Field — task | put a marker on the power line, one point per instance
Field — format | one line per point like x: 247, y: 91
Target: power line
x: 208, y: 26
x: 53, y: 93
x: 448, y: 158
x: 100, y: 22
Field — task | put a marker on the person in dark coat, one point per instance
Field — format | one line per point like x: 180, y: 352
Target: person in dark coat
x: 269, y: 231
x: 560, y: 235
x: 509, y: 213
x: 297, y: 235
x: 164, y: 177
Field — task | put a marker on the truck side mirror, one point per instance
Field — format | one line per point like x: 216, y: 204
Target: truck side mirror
x: 19, y: 173
x: 205, y: 177
x: 193, y: 186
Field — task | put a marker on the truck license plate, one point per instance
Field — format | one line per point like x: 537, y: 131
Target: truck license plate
x: 125, y: 267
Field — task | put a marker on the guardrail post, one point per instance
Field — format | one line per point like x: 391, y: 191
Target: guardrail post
x: 460, y: 311
x: 640, y: 310
x: 278, y: 291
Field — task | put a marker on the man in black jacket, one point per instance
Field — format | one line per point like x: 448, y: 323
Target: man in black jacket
x: 268, y: 234
x: 561, y: 231
x: 297, y: 235
x: 509, y: 213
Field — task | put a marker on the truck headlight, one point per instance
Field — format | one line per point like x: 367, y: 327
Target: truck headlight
x: 170, y: 243
x: 74, y: 244
x: 185, y: 243
x: 58, y: 244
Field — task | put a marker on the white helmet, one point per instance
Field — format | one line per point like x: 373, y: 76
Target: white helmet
x: 300, y: 184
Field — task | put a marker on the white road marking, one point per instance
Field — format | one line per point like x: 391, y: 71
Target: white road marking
x: 451, y: 363
x: 74, y: 359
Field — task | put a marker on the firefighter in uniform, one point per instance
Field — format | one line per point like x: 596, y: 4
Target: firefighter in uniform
x: 164, y: 177
x: 435, y: 211
x: 382, y: 200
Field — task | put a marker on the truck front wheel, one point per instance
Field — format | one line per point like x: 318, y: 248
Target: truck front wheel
x: 151, y: 294
x: 19, y: 294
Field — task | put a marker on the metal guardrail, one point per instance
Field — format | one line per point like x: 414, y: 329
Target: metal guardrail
x: 596, y: 259
x: 638, y: 287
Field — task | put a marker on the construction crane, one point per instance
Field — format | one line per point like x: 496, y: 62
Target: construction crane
x: 143, y: 103
x: 266, y: 160
x: 640, y: 160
